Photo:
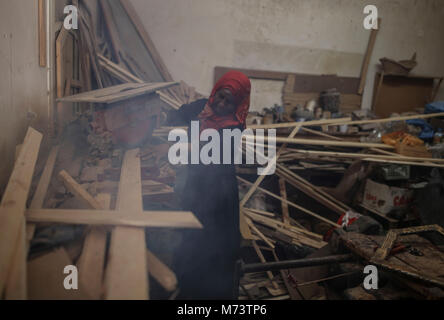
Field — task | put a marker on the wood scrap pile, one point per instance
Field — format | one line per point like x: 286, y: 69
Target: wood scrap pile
x: 292, y: 199
x: 112, y: 48
x: 110, y: 258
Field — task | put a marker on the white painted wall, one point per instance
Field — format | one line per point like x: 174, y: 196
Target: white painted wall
x: 23, y: 83
x: 307, y: 36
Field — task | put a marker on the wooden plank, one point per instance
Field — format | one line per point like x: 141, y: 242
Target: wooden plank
x: 92, y: 259
x: 138, y: 24
x: 129, y: 218
x: 283, y: 191
x: 302, y: 124
x: 262, y: 259
x: 328, y: 143
x: 126, y: 275
x: 46, y: 277
x: 16, y: 287
x: 311, y: 193
x: 161, y: 272
x: 73, y: 187
x: 13, y: 203
x: 109, y: 65
x: 42, y: 33
x: 368, y: 55
x: 118, y: 93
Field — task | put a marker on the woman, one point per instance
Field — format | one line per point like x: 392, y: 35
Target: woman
x: 205, y: 262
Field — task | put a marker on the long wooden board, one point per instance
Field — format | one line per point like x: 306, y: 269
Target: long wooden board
x: 92, y: 259
x: 128, y: 218
x: 13, y: 204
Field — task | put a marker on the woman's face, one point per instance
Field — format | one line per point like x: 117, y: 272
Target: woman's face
x: 224, y: 103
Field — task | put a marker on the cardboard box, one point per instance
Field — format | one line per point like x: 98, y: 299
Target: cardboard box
x: 383, y: 198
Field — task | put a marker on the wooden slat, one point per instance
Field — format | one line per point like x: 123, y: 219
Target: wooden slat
x: 13, y: 203
x: 92, y: 260
x: 128, y: 218
x: 138, y: 24
x: 285, y: 212
x: 127, y: 276
x: 118, y: 93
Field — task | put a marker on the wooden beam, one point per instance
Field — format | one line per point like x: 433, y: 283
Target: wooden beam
x: 301, y: 124
x: 42, y: 33
x: 126, y: 275
x: 13, y: 203
x: 367, y: 58
x: 127, y: 218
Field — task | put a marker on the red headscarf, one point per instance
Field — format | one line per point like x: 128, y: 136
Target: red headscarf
x: 240, y: 87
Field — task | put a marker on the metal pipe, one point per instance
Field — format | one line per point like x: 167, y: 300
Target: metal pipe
x: 293, y: 264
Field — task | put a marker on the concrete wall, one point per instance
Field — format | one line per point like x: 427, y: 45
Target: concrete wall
x: 23, y: 84
x: 307, y: 36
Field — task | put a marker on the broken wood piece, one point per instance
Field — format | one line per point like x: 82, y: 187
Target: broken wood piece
x: 161, y: 272
x: 92, y: 258
x: 13, y: 204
